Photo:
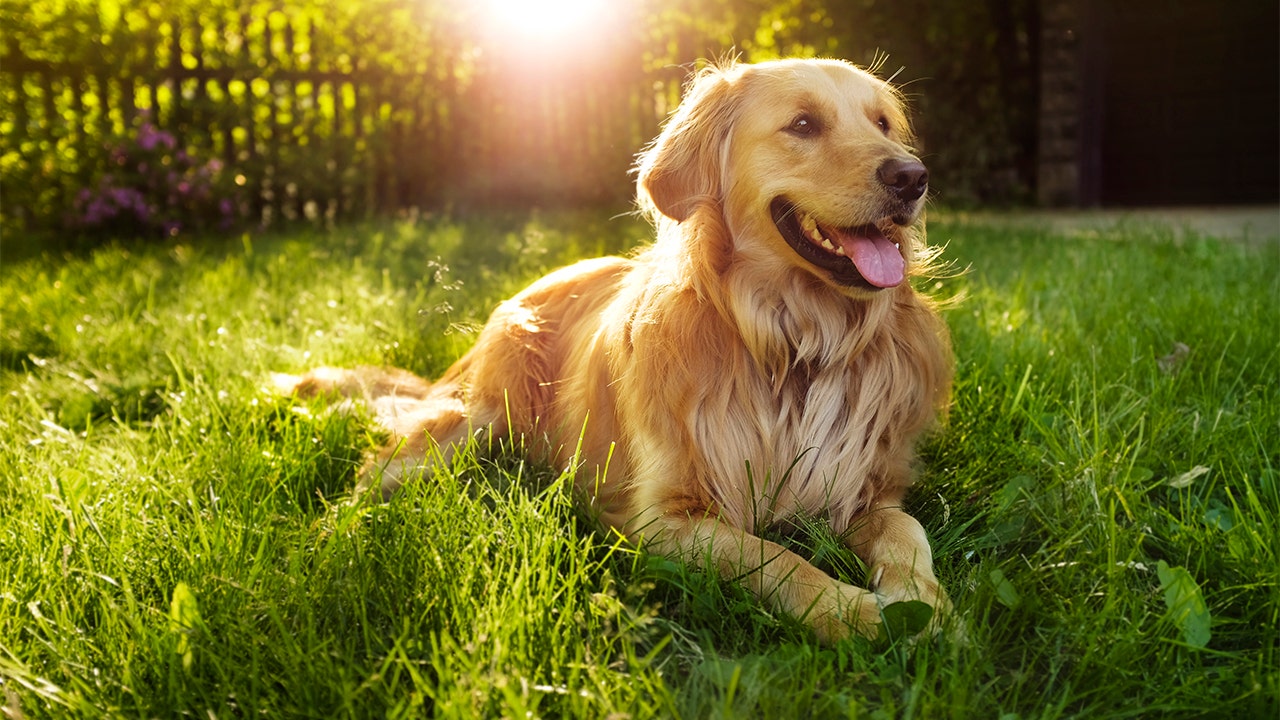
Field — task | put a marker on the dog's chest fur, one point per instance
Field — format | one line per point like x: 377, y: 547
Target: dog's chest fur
x: 807, y: 436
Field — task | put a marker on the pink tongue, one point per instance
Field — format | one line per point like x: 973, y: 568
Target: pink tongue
x: 875, y: 256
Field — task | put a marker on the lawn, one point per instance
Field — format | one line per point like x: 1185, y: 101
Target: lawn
x: 1104, y: 500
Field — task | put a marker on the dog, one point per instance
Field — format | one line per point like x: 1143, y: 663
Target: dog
x: 765, y: 358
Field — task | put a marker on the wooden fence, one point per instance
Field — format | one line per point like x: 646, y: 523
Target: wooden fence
x: 310, y: 131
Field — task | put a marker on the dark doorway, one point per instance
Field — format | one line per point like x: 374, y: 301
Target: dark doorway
x: 1191, y: 102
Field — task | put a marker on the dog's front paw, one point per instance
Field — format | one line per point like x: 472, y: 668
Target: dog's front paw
x: 844, y: 611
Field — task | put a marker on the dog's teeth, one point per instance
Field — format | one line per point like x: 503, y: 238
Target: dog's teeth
x: 809, y: 227
x: 840, y: 251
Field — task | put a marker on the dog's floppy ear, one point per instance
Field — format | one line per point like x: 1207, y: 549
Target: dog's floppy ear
x: 683, y: 167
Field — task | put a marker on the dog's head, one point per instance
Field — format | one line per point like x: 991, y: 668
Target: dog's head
x: 808, y: 161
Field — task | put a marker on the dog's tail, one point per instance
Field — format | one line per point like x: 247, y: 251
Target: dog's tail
x: 418, y: 414
x: 365, y: 382
x: 398, y: 400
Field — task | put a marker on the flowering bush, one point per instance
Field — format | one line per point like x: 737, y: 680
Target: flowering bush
x: 153, y: 185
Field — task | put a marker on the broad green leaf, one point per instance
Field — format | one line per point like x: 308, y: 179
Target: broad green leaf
x: 905, y: 619
x: 1006, y: 593
x: 1013, y: 491
x: 1138, y: 475
x: 184, y: 616
x: 1186, y: 605
x: 1219, y: 516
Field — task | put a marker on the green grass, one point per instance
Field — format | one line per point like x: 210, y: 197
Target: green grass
x: 171, y: 542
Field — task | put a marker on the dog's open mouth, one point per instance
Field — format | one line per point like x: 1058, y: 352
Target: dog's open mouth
x: 859, y: 255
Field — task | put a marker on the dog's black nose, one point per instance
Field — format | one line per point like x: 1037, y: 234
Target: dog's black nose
x: 907, y: 179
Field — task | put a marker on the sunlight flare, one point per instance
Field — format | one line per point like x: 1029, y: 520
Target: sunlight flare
x: 545, y: 21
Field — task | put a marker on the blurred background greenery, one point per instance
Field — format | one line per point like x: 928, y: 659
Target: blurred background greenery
x: 141, y: 116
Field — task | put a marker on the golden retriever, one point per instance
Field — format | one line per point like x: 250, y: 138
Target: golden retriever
x: 765, y: 358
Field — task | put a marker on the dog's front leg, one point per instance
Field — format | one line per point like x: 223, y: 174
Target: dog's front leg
x: 776, y: 575
x: 900, y: 563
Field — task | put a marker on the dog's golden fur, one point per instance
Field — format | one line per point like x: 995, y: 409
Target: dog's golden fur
x: 727, y: 382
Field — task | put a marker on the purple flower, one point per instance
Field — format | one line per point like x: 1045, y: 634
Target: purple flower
x: 149, y: 138
x: 150, y: 182
x: 98, y: 211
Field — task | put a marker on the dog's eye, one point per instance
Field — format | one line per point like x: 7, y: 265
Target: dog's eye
x: 804, y: 125
x: 883, y: 123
